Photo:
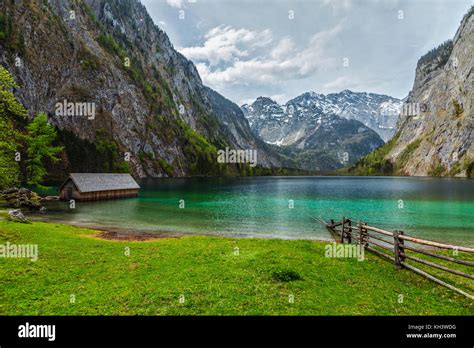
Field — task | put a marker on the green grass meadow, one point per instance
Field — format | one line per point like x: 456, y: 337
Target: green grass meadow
x: 204, y: 276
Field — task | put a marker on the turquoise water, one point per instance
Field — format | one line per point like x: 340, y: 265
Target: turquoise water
x: 438, y: 209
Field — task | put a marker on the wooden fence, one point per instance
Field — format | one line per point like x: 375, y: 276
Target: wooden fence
x: 395, y: 246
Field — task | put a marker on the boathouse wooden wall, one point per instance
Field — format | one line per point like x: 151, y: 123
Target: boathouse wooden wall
x: 70, y: 191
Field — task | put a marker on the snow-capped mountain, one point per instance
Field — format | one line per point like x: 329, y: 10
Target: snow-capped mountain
x: 288, y: 124
x: 309, y: 131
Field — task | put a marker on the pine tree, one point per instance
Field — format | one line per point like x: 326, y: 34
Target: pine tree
x: 40, y: 137
x: 10, y: 112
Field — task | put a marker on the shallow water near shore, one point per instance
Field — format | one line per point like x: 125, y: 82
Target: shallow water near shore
x: 432, y: 208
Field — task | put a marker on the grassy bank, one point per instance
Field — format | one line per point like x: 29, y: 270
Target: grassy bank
x: 208, y: 271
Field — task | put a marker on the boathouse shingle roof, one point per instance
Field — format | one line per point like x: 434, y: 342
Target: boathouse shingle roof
x: 93, y: 182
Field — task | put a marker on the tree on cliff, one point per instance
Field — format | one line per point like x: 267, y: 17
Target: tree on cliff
x: 10, y: 112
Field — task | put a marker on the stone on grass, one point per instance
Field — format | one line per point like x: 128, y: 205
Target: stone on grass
x: 17, y: 216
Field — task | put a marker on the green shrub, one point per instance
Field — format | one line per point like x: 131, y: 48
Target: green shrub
x: 405, y: 155
x: 455, y: 169
x: 285, y: 276
x: 88, y: 11
x: 11, y: 35
x: 108, y: 42
x: 88, y: 64
x: 437, y: 170
x: 141, y: 156
x: 375, y: 163
x: 458, y: 109
x: 167, y: 168
x: 470, y: 169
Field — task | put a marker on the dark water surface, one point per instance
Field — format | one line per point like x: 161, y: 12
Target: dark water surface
x: 438, y: 209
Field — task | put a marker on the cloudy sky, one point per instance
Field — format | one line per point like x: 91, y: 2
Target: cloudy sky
x: 282, y: 48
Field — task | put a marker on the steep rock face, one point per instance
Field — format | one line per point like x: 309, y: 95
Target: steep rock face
x: 438, y: 140
x: 286, y: 124
x: 149, y: 100
x: 237, y: 128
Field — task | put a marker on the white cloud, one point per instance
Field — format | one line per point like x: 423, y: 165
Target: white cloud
x: 342, y: 82
x: 274, y: 62
x: 363, y: 83
x: 175, y: 3
x: 226, y: 44
x: 244, y: 101
x: 378, y: 44
x: 284, y: 48
x: 338, y: 5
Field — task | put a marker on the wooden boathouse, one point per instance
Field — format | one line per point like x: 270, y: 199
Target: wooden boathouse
x: 98, y: 186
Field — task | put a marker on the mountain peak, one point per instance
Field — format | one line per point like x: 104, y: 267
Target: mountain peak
x: 264, y: 100
x: 375, y: 111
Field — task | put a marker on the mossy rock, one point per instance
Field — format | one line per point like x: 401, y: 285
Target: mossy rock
x: 20, y: 198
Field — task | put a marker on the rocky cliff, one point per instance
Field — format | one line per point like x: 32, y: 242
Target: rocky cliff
x: 438, y: 140
x: 149, y: 105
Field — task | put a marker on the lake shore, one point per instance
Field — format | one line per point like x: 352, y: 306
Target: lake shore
x: 281, y: 207
x: 133, y: 234
x: 78, y: 272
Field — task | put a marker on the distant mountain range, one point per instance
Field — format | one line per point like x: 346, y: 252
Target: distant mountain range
x: 291, y: 123
x: 325, y: 132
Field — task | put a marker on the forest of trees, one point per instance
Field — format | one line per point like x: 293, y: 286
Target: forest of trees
x: 436, y: 57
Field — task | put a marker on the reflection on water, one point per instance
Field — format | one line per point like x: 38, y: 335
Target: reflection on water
x: 440, y: 209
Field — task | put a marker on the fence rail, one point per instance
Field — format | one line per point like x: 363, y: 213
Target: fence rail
x: 392, y: 246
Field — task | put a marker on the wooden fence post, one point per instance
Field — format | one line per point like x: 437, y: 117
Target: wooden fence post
x: 349, y: 234
x: 398, y: 248
x: 342, y: 230
x: 364, y: 235
x: 401, y: 248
